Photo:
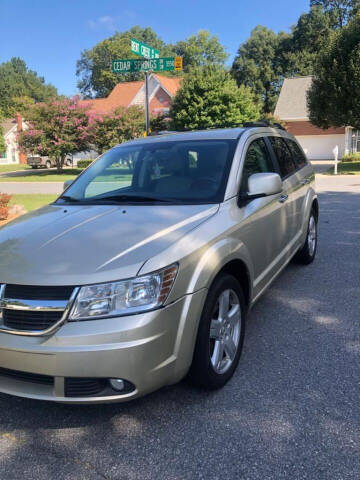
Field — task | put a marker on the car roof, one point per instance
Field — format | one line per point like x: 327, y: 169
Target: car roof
x: 210, y: 134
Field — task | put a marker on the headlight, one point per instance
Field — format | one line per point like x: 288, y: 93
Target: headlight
x: 135, y: 295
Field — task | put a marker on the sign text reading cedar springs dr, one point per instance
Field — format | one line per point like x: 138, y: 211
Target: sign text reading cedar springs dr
x: 146, y: 64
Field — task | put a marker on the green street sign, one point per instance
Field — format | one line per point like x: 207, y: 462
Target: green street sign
x: 143, y: 50
x: 147, y: 64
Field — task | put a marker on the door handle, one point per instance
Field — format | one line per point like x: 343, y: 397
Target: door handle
x: 304, y: 182
x: 283, y: 198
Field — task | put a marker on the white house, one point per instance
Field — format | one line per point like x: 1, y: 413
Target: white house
x: 317, y: 143
x: 11, y: 126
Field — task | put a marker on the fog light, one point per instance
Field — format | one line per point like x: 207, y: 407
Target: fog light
x: 117, y: 384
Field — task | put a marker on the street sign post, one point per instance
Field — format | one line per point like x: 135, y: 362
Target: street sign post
x: 143, y: 50
x: 166, y: 64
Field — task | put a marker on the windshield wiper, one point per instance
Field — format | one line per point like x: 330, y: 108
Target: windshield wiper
x: 67, y: 198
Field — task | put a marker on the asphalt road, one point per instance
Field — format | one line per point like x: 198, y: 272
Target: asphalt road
x: 291, y: 411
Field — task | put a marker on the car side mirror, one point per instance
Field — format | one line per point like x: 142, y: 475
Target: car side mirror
x: 261, y: 185
x: 67, y: 184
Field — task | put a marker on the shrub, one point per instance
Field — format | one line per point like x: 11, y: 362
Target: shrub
x: 210, y: 98
x: 4, y: 205
x: 159, y: 123
x: 351, y: 157
x: 84, y: 163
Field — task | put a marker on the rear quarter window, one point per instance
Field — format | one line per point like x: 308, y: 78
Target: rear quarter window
x: 284, y: 156
x: 297, y: 153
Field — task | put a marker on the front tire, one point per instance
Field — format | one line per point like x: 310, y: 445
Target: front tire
x: 221, y: 334
x: 307, y: 254
x: 48, y: 164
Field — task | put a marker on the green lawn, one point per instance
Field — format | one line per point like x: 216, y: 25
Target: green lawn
x: 32, y: 202
x: 13, y: 167
x: 345, y: 168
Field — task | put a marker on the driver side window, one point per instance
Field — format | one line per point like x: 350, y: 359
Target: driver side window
x: 257, y: 160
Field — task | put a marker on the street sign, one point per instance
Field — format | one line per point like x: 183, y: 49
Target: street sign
x: 156, y: 65
x: 178, y: 63
x: 143, y: 50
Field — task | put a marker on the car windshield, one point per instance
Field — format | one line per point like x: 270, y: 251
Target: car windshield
x: 167, y: 172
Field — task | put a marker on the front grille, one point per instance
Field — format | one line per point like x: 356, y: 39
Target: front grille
x: 27, y: 377
x: 84, y: 387
x: 30, y: 292
x: 30, y: 320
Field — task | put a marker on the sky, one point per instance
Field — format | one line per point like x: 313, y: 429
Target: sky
x: 50, y: 34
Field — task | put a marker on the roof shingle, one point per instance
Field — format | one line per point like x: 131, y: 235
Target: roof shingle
x: 292, y: 102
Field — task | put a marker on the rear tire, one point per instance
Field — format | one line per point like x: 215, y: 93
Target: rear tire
x: 48, y: 164
x: 221, y: 333
x: 307, y: 254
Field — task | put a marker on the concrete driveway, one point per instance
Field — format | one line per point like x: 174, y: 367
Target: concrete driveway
x: 292, y: 410
x: 30, y: 187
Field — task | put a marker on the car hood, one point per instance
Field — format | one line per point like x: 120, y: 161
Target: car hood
x: 78, y: 245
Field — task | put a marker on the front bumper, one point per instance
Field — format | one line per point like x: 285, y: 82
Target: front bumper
x: 149, y: 350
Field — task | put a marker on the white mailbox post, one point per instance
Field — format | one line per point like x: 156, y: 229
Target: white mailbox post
x: 336, y: 157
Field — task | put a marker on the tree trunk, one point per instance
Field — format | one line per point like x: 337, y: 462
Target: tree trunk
x: 60, y: 163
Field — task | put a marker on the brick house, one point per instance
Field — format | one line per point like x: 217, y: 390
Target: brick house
x: 161, y: 91
x: 317, y: 143
x: 11, y: 127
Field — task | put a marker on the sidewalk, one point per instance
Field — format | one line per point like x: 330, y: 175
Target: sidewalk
x: 15, y: 188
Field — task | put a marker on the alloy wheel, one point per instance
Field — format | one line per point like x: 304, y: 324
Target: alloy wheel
x: 225, y: 330
x: 312, y: 235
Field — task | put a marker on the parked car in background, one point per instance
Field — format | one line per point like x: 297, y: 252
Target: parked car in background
x: 38, y: 161
x: 136, y: 277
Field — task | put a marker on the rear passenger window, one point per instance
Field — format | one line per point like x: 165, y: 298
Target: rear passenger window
x: 284, y: 156
x: 257, y: 160
x: 297, y: 153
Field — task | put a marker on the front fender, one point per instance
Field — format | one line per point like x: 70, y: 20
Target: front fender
x: 215, y: 258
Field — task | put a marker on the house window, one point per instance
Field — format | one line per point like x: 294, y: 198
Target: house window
x: 355, y: 141
x: 2, y: 154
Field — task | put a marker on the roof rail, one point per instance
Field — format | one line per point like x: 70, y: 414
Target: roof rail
x: 260, y: 123
x: 161, y: 132
x: 264, y: 123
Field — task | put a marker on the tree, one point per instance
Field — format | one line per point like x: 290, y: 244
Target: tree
x: 257, y: 65
x: 209, y: 97
x: 118, y: 126
x: 94, y: 66
x: 334, y: 98
x: 16, y: 80
x: 266, y: 58
x: 300, y: 50
x: 200, y: 50
x: 2, y: 140
x: 57, y: 129
x: 341, y: 11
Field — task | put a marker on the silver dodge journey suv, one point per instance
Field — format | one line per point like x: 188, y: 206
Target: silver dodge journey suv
x: 144, y: 269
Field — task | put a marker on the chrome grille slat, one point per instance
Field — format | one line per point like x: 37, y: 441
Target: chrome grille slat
x: 34, y: 305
